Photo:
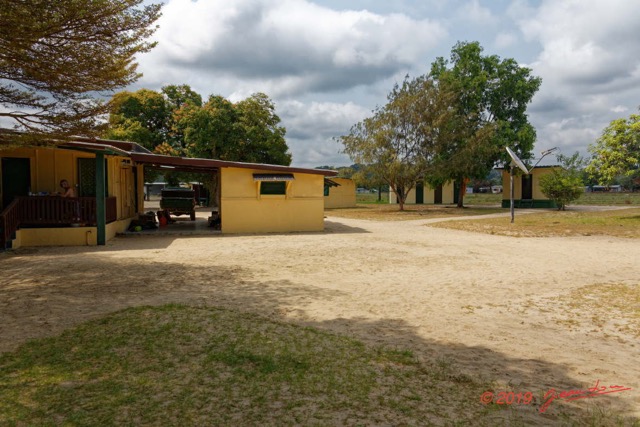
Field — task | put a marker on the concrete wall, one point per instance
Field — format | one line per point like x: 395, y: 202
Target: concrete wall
x: 343, y: 196
x: 428, y: 195
x: 67, y: 236
x: 244, y: 210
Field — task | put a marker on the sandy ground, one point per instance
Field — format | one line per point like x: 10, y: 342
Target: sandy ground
x: 491, y: 305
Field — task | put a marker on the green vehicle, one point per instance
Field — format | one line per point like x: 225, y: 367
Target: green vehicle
x: 179, y: 201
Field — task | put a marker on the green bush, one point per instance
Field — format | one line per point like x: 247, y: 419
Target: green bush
x: 564, y: 185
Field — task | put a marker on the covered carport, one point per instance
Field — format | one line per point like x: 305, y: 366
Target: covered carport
x: 252, y: 197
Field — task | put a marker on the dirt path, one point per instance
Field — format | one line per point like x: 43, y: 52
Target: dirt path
x: 499, y: 307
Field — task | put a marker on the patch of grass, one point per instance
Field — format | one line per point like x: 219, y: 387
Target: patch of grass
x: 486, y: 199
x: 616, y: 223
x: 608, y: 199
x: 179, y: 365
x: 390, y: 212
x: 369, y: 198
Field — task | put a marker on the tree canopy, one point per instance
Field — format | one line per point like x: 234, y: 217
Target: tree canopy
x: 55, y: 56
x: 617, y: 151
x: 491, y: 97
x: 174, y: 121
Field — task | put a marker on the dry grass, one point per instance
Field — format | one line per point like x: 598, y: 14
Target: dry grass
x: 615, y: 223
x: 390, y: 212
x: 611, y: 310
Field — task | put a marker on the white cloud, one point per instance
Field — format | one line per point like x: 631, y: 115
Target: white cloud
x: 505, y: 39
x: 586, y: 42
x: 474, y: 12
x: 284, y: 46
x: 313, y: 127
x: 619, y: 109
x: 589, y: 61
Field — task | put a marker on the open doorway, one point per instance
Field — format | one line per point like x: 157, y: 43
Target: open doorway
x: 16, y: 179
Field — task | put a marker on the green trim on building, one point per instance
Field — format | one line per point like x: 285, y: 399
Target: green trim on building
x: 528, y: 204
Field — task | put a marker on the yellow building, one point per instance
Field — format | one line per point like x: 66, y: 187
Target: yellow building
x: 527, y: 193
x: 339, y: 193
x: 423, y: 193
x: 252, y: 198
x: 31, y: 213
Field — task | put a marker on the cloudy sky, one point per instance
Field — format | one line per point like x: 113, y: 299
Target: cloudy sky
x: 328, y: 63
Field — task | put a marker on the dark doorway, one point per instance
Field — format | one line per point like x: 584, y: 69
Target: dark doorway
x: 456, y: 192
x: 437, y: 195
x: 135, y: 189
x: 527, y: 187
x: 16, y: 178
x: 419, y: 193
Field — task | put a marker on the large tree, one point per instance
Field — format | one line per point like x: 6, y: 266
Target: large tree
x: 491, y: 98
x: 262, y: 136
x: 617, y: 151
x: 397, y: 143
x: 56, y: 55
x: 209, y: 131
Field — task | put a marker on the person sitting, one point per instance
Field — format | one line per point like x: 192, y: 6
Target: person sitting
x: 68, y: 190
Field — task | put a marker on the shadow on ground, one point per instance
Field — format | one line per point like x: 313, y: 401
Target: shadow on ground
x: 45, y: 292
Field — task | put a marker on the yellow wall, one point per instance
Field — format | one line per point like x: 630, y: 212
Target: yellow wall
x: 536, y: 173
x: 244, y: 210
x: 49, y: 166
x: 68, y: 236
x: 343, y: 196
x: 428, y: 194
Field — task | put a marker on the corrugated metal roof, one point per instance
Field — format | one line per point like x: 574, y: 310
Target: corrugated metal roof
x: 141, y: 155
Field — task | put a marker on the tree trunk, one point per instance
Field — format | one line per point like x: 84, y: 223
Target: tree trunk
x: 379, y: 193
x: 461, y: 192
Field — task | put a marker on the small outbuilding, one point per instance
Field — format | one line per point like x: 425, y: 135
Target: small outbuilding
x: 423, y: 193
x: 339, y: 193
x: 527, y: 192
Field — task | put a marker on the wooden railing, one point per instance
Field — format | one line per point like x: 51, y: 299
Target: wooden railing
x: 52, y: 210
x: 57, y: 210
x: 9, y: 222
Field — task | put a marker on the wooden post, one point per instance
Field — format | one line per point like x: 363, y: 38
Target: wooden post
x: 101, y: 214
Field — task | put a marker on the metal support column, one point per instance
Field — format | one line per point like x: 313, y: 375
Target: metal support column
x: 101, y: 214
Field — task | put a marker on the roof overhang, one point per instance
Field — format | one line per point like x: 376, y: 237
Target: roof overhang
x: 211, y: 165
x: 273, y: 177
